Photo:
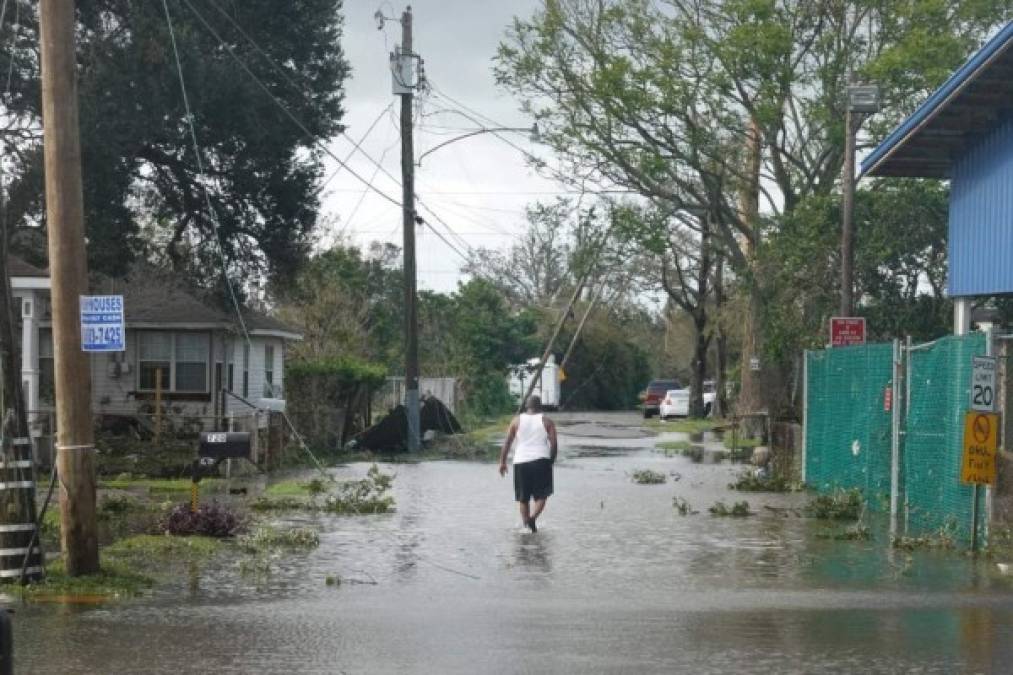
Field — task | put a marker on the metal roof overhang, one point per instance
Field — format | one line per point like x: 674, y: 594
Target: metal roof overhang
x: 971, y: 102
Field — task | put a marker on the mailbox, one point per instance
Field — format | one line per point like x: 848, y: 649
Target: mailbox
x: 219, y: 445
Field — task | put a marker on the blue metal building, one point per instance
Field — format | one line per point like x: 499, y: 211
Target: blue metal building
x: 964, y: 133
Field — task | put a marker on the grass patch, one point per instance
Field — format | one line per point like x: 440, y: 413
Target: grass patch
x: 161, y: 547
x: 292, y: 488
x: 269, y: 538
x: 115, y: 580
x: 490, y: 430
x: 737, y: 510
x: 160, y: 485
x: 741, y: 443
x: 369, y: 495
x: 648, y: 477
x: 673, y: 446
x: 839, y: 505
x: 685, y: 425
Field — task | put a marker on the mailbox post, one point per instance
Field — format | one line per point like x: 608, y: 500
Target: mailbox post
x: 216, y: 447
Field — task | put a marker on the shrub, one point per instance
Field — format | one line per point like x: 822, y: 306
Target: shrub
x: 738, y: 509
x: 748, y: 481
x: 210, y: 520
x: 648, y: 477
x: 840, y: 505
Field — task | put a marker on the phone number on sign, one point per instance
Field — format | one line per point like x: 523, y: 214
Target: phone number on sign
x: 102, y: 335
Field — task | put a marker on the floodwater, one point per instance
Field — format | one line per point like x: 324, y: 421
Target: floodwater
x: 615, y: 581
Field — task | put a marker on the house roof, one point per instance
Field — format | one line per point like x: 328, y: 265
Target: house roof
x: 157, y: 299
x: 970, y: 102
x: 16, y: 267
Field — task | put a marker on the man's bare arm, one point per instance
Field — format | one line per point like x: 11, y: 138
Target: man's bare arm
x: 550, y: 429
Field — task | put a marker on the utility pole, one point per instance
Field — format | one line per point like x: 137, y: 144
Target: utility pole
x: 862, y: 100
x: 847, y: 215
x: 75, y: 458
x: 404, y: 70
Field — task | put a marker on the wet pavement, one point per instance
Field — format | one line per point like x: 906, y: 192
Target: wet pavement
x: 615, y: 581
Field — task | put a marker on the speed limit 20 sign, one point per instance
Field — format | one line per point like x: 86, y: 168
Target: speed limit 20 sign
x: 983, y: 383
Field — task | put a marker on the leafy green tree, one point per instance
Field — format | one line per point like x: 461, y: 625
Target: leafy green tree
x: 900, y: 267
x: 730, y: 107
x: 346, y: 304
x: 144, y: 194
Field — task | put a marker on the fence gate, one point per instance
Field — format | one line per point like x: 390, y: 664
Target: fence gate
x: 848, y: 420
x: 888, y: 420
x: 937, y: 391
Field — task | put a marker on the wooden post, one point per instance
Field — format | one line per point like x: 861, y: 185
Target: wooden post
x: 75, y: 457
x: 158, y: 406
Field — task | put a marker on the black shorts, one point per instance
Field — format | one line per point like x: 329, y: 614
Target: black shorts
x: 533, y: 480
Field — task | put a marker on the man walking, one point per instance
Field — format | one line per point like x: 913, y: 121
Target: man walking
x: 534, y: 455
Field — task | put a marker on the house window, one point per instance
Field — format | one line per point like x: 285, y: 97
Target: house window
x: 268, y: 371
x: 246, y: 370
x: 232, y: 378
x: 47, y: 367
x: 181, y: 358
x: 191, y: 362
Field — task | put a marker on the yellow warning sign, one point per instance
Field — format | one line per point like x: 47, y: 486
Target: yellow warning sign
x: 981, y: 439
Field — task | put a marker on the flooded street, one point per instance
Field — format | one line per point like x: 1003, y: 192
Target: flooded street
x: 616, y: 580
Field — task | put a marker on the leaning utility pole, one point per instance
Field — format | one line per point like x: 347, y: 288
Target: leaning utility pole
x: 404, y: 85
x: 75, y: 457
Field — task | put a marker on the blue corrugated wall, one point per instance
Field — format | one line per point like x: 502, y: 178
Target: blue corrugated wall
x: 981, y: 216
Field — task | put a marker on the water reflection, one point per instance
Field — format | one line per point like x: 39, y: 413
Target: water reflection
x: 531, y: 552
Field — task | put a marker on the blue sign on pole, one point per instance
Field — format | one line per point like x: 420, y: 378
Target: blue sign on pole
x: 102, y: 328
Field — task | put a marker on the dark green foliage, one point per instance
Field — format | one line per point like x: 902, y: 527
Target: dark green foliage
x: 648, y: 477
x: 737, y: 510
x: 748, y: 481
x: 338, y: 373
x: 900, y: 267
x: 140, y: 171
x: 840, y: 505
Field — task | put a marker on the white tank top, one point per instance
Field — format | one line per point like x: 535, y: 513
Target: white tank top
x: 532, y: 441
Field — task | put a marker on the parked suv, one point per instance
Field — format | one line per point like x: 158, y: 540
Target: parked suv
x: 656, y: 390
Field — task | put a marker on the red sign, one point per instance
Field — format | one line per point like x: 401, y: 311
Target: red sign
x: 847, y: 331
x: 888, y: 399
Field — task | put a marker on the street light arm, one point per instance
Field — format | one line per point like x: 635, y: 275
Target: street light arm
x: 477, y: 132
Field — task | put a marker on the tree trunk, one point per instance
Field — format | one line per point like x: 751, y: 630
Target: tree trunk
x: 699, y: 367
x: 751, y: 395
x: 721, y: 344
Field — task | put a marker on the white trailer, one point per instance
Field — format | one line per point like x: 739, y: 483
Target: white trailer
x: 548, y: 388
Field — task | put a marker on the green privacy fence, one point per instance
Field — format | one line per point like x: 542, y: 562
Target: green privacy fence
x: 847, y: 430
x: 939, y: 383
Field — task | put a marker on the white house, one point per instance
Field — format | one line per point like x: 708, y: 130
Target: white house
x: 201, y: 361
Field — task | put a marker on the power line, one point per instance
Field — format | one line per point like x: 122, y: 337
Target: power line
x: 288, y: 113
x: 348, y: 157
x: 379, y: 166
x: 200, y: 167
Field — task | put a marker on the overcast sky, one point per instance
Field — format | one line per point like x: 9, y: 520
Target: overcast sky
x: 479, y: 185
